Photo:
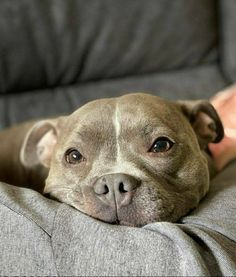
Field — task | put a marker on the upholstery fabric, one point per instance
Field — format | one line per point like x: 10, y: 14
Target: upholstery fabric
x: 194, y: 83
x: 41, y: 237
x: 26, y: 222
x: 55, y: 55
x: 228, y: 38
x: 56, y: 42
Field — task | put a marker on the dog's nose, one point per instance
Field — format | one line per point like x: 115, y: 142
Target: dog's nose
x: 116, y: 189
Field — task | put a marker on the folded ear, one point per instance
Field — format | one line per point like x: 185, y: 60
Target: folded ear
x: 39, y: 143
x: 204, y: 120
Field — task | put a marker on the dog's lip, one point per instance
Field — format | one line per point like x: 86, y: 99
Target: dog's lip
x: 115, y: 222
x: 121, y: 222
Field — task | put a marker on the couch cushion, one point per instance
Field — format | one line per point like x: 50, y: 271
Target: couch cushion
x: 200, y: 82
x: 26, y: 224
x: 55, y: 42
x: 41, y: 237
x: 228, y: 38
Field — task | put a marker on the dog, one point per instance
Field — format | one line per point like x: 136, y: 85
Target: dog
x: 130, y: 160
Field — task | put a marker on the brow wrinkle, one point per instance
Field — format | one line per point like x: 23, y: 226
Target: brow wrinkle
x: 148, y: 129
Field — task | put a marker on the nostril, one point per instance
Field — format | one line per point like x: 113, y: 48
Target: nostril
x: 106, y: 189
x: 121, y: 187
x: 100, y: 189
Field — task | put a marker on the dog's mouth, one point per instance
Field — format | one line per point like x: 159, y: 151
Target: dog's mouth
x: 116, y: 222
x: 123, y: 223
x: 114, y: 219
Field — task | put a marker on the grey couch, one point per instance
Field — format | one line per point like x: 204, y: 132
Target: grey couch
x: 55, y: 55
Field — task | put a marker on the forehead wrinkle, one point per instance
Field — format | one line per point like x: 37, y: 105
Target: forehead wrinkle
x: 97, y: 129
x: 148, y: 129
x: 158, y: 127
x: 85, y: 131
x: 165, y: 117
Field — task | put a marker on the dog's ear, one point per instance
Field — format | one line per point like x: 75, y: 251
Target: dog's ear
x: 204, y: 120
x: 39, y: 143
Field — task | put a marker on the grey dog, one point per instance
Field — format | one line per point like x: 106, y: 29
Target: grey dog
x: 129, y: 160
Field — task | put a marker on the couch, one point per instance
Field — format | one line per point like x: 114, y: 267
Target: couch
x: 56, y: 55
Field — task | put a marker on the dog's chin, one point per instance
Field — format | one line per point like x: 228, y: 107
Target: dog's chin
x: 128, y: 220
x: 125, y: 223
x: 121, y: 222
x: 112, y: 218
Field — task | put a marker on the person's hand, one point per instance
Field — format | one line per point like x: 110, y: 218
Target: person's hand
x: 225, y: 104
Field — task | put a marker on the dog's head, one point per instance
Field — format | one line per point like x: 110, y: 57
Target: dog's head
x: 131, y: 160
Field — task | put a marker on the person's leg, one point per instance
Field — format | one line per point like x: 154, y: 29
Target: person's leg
x: 225, y: 104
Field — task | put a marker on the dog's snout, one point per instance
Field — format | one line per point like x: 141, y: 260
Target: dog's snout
x: 116, y: 189
x: 119, y: 183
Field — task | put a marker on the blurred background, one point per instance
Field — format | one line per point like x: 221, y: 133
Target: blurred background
x: 56, y: 55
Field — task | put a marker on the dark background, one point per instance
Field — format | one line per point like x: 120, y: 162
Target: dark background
x: 56, y: 55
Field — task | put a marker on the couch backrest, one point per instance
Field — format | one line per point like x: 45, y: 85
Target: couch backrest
x: 228, y: 38
x: 59, y: 42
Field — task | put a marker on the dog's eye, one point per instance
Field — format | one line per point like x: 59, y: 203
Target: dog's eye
x: 161, y: 144
x: 73, y: 156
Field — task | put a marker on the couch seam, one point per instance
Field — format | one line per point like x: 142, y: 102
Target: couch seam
x: 25, y: 216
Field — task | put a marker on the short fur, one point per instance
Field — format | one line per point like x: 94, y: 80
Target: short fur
x: 114, y: 136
